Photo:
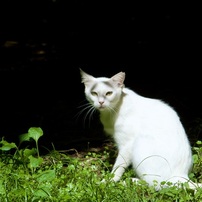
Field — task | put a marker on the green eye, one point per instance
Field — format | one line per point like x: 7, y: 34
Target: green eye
x: 93, y: 93
x: 108, y: 93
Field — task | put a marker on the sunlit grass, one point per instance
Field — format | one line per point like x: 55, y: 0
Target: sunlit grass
x: 60, y: 176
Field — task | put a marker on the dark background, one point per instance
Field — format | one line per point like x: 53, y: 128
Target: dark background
x: 44, y: 43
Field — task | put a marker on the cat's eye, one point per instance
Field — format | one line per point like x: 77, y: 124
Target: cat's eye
x: 93, y: 93
x: 108, y: 93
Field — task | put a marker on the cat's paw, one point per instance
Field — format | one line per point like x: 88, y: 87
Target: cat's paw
x: 135, y: 180
x: 109, y: 180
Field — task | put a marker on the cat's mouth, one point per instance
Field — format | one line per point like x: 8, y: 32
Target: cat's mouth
x: 101, y: 107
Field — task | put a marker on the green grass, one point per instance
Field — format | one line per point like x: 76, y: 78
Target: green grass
x: 60, y: 176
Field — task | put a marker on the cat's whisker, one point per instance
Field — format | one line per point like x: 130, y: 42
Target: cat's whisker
x: 83, y: 105
x: 112, y: 111
x: 88, y: 110
x: 89, y: 114
x: 115, y: 112
x: 79, y: 113
x: 86, y: 107
x: 80, y: 106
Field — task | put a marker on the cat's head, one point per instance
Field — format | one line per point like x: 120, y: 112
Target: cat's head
x: 102, y: 92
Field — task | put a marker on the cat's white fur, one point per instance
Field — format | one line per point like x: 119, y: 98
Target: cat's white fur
x: 148, y: 132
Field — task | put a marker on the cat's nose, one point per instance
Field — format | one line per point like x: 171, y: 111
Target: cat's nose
x: 101, y: 102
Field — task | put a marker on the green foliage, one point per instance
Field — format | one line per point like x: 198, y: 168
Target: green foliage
x: 59, y: 176
x: 197, y: 158
x: 5, y: 146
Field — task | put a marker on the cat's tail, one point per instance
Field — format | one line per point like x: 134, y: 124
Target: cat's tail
x: 185, y: 183
x: 194, y: 185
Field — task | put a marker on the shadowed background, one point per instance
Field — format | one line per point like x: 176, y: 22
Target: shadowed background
x: 44, y: 43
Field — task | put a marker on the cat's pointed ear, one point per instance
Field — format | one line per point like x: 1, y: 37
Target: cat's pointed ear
x: 86, y: 78
x: 119, y: 78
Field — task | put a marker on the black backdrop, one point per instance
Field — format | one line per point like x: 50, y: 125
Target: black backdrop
x: 44, y: 43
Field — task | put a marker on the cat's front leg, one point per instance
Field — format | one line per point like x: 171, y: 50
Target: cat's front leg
x: 123, y: 160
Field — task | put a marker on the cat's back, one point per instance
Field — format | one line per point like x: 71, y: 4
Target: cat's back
x: 131, y: 98
x: 144, y: 106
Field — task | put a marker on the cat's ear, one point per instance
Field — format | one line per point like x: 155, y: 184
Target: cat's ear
x: 119, y: 78
x: 86, y: 78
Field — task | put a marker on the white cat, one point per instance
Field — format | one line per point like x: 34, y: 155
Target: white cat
x: 148, y: 132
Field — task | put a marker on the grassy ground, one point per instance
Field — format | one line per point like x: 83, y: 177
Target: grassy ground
x: 76, y: 176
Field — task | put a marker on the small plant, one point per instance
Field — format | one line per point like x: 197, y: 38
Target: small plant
x: 33, y: 133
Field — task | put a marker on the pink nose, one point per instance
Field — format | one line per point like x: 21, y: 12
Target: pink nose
x: 101, y: 102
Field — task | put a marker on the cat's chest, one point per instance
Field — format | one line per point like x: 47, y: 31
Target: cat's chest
x: 108, y: 126
x: 112, y: 124
x: 108, y: 122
